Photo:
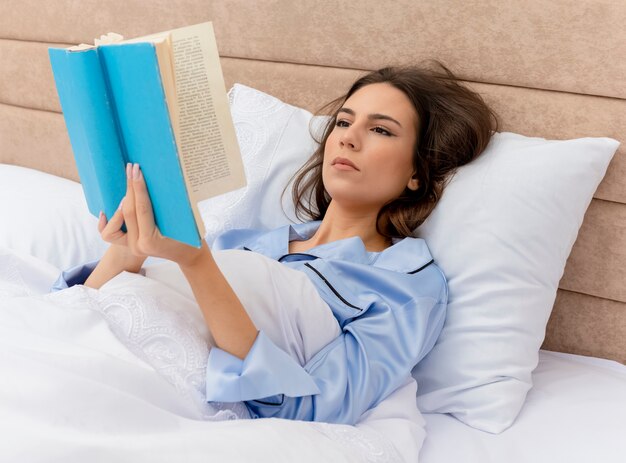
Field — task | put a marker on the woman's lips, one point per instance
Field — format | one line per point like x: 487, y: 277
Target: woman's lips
x: 344, y: 164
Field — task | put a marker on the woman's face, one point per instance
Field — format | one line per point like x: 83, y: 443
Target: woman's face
x: 375, y: 132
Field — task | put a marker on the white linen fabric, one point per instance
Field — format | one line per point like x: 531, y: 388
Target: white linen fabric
x: 24, y: 275
x: 117, y: 373
x: 575, y: 412
x: 47, y: 217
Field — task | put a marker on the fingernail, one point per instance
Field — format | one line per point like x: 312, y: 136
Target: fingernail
x: 136, y: 171
x: 121, y: 202
x: 128, y: 169
x: 100, y: 215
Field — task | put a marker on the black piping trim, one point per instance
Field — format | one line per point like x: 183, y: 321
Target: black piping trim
x: 422, y: 267
x: 296, y: 254
x: 333, y: 289
x: 282, y: 400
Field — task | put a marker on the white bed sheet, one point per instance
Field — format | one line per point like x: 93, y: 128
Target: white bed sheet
x: 71, y: 391
x: 576, y: 412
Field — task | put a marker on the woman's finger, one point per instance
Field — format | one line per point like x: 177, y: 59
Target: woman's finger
x: 102, y: 221
x: 112, y: 230
x: 143, y: 205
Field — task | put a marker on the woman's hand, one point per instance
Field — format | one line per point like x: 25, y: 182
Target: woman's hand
x: 111, y: 231
x: 118, y: 258
x: 119, y: 254
x: 143, y: 238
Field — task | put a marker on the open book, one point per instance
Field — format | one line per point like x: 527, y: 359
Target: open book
x: 160, y: 101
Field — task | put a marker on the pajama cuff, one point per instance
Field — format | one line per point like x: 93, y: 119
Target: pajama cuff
x: 266, y: 371
x: 74, y: 276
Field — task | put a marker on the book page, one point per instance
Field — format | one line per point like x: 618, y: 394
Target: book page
x: 205, y: 133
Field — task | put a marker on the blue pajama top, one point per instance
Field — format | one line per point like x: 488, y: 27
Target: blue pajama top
x: 390, y: 306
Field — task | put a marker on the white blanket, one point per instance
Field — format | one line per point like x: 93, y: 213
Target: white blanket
x: 117, y: 374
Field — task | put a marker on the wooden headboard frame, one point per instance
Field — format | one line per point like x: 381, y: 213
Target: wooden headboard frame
x: 551, y: 69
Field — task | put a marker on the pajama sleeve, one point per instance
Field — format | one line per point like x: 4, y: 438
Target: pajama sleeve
x: 74, y: 276
x: 266, y: 371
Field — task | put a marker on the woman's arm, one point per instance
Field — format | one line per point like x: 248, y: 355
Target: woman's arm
x: 116, y: 260
x: 225, y: 316
x: 119, y: 257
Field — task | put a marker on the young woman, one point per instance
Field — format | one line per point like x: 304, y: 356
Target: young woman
x: 391, y: 144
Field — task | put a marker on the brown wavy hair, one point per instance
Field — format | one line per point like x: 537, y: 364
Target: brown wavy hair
x: 454, y: 127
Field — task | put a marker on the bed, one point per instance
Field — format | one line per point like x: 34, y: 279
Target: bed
x: 530, y: 366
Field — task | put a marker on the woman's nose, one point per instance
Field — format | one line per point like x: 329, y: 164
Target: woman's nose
x: 349, y: 139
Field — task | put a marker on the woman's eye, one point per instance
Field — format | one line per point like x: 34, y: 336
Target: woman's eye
x: 342, y: 123
x: 382, y: 131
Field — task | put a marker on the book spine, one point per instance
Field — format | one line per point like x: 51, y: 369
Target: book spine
x: 145, y: 126
x: 86, y: 104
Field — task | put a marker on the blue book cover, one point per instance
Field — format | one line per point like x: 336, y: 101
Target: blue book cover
x: 87, y: 108
x: 116, y: 112
x: 147, y: 134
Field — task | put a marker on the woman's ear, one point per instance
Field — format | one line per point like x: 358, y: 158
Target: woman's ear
x: 413, y: 184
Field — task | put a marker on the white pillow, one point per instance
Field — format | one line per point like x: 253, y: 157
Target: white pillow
x: 275, y: 140
x: 501, y: 233
x: 46, y: 216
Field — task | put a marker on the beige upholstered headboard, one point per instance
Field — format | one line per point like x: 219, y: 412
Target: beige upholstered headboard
x: 553, y: 69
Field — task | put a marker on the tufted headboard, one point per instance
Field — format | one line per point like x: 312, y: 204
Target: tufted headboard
x: 552, y: 69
